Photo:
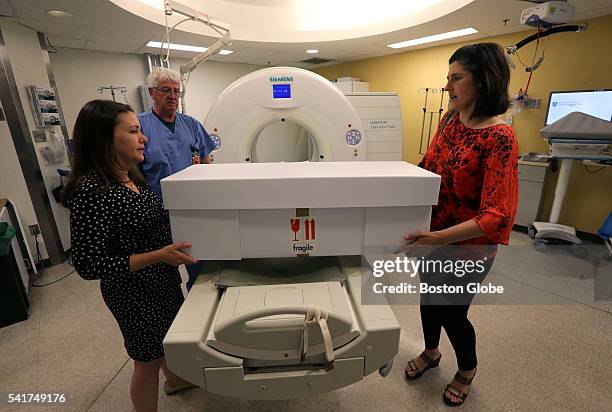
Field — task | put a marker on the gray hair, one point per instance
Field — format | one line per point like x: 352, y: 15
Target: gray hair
x: 160, y: 74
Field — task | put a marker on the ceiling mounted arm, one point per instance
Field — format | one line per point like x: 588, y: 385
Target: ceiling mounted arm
x: 218, y: 45
x: 171, y: 6
x: 558, y: 29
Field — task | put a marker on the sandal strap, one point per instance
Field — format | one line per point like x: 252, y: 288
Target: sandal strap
x: 426, y: 358
x: 456, y: 391
x: 413, y: 366
x: 462, y: 379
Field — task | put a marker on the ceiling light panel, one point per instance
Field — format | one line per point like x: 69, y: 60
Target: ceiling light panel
x: 433, y: 38
x: 185, y: 47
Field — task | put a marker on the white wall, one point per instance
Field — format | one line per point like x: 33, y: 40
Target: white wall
x: 79, y: 73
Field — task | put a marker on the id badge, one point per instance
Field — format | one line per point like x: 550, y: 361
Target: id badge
x: 195, y: 157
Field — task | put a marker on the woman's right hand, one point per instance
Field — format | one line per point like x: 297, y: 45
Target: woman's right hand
x: 173, y: 255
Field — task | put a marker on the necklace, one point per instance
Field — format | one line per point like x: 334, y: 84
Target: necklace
x: 130, y: 185
x: 125, y: 180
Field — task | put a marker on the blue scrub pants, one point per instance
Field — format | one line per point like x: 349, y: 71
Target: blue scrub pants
x: 193, y: 271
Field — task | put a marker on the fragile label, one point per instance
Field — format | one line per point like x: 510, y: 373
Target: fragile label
x: 303, y: 232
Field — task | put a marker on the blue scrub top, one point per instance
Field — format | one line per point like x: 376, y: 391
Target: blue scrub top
x: 166, y: 152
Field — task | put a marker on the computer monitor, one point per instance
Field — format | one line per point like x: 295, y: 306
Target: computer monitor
x: 597, y: 103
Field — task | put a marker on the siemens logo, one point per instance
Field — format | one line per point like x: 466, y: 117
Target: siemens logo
x: 281, y: 78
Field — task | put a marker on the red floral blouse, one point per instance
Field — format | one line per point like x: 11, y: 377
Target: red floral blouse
x: 479, y: 179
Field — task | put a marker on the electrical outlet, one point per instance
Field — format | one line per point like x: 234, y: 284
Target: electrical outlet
x: 34, y: 229
x: 533, y: 103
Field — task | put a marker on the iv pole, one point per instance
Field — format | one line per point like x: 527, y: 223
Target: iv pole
x: 112, y: 89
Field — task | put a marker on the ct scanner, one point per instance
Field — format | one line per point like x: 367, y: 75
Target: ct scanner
x: 278, y: 311
x: 292, y: 95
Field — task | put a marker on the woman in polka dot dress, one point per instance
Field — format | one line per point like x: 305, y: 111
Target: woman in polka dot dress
x: 121, y: 235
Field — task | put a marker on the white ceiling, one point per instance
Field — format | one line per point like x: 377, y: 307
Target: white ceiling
x: 101, y: 25
x: 298, y: 21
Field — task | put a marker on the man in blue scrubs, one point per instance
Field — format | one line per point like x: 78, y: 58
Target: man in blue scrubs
x: 175, y: 141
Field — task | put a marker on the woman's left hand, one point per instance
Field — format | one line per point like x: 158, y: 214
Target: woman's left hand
x: 426, y: 238
x: 422, y: 243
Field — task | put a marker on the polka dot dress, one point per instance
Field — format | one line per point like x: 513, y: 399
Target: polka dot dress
x: 108, y: 224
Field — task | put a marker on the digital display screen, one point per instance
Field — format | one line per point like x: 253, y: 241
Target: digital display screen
x: 281, y: 91
x: 597, y: 103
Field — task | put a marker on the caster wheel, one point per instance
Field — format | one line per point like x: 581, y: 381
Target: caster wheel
x: 531, y: 232
x: 386, y: 369
x: 540, y: 245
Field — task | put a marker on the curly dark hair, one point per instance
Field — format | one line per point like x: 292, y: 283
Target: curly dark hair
x: 94, y: 145
x: 489, y: 68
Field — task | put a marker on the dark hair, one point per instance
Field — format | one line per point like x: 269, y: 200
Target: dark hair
x: 489, y: 68
x: 94, y: 145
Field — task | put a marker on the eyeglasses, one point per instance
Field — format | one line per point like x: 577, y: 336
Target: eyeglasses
x: 169, y: 91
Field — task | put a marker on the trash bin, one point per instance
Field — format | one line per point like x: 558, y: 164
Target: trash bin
x: 605, y: 231
x: 13, y: 298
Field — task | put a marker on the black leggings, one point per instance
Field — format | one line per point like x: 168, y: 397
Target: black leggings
x: 458, y: 328
x: 452, y: 316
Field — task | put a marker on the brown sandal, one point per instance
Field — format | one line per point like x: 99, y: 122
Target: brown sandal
x: 429, y: 364
x: 457, y: 392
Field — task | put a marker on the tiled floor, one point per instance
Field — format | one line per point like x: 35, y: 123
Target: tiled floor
x: 531, y: 357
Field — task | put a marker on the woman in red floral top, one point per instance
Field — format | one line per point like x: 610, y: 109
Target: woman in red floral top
x: 476, y: 154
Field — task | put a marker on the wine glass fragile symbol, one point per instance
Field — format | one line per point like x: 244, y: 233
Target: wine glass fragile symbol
x: 295, y: 227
